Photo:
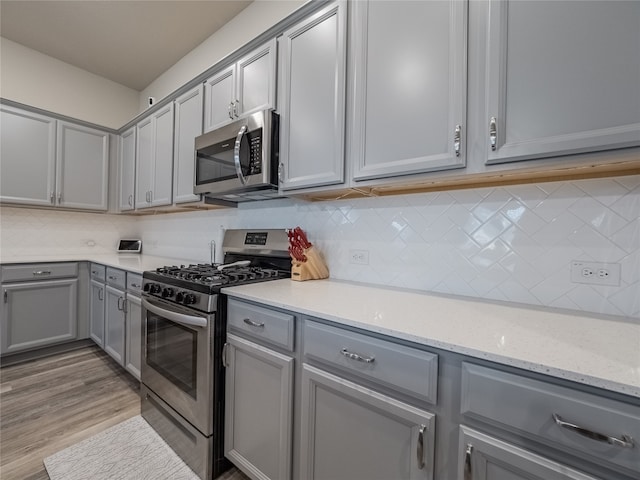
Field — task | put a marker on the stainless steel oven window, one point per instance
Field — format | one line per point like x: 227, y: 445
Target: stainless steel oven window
x: 172, y: 350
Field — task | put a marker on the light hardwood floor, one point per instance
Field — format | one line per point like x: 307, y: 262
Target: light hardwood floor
x: 49, y: 404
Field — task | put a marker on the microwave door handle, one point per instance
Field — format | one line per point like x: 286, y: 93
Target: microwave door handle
x: 181, y: 318
x: 236, y: 154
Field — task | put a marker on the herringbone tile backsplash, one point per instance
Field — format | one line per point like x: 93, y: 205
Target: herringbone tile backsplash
x: 511, y: 243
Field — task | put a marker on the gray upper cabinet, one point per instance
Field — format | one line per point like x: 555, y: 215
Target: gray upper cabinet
x: 127, y: 170
x: 28, y: 155
x: 311, y: 100
x: 409, y: 87
x: 154, y: 159
x: 247, y: 86
x: 49, y: 162
x: 82, y: 167
x: 188, y: 125
x: 563, y: 77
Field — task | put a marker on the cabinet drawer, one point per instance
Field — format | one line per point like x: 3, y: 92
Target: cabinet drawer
x: 38, y: 271
x: 98, y: 272
x: 527, y: 406
x: 116, y: 278
x: 398, y: 367
x: 134, y: 283
x: 261, y: 323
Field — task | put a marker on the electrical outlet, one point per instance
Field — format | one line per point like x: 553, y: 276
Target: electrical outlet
x: 595, y: 273
x: 359, y: 257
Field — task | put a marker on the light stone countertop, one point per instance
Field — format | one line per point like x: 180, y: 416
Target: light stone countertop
x: 601, y: 351
x: 132, y: 262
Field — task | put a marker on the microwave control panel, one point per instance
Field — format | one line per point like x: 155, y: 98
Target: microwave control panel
x: 255, y: 154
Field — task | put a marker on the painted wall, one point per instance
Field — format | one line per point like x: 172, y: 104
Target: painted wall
x: 247, y: 25
x: 35, y: 79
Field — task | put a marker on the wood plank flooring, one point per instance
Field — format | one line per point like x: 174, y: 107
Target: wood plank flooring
x: 51, y: 403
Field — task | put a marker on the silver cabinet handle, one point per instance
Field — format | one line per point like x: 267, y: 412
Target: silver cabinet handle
x: 248, y: 321
x: 135, y: 285
x: 236, y: 154
x: 420, y: 449
x: 457, y: 134
x: 120, y: 299
x: 59, y: 197
x: 231, y: 110
x: 131, y: 200
x: 52, y: 197
x: 100, y: 295
x: 224, y: 355
x: 236, y: 108
x: 150, y: 196
x: 626, y: 440
x: 468, y: 475
x: 40, y: 273
x: 355, y: 356
x: 493, y: 133
x: 125, y: 309
x: 112, y: 278
x: 281, y: 172
x: 6, y: 296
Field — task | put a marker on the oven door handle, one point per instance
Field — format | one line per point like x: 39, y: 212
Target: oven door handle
x: 236, y: 154
x: 175, y: 316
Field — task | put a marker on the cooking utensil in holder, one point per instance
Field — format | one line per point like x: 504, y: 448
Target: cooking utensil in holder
x: 307, y: 262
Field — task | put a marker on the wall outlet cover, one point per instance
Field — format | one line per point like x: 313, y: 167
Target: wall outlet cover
x: 595, y: 273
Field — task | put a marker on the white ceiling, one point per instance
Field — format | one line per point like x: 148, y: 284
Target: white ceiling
x: 130, y: 42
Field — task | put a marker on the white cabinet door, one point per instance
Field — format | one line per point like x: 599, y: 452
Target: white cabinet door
x: 114, y: 324
x: 96, y: 318
x: 259, y: 409
x: 28, y: 153
x: 144, y: 162
x: 163, y: 157
x: 218, y: 94
x: 563, y: 77
x: 133, y: 351
x: 188, y: 125
x: 247, y: 86
x: 351, y: 432
x: 154, y: 159
x: 127, y: 169
x: 486, y: 458
x: 82, y: 167
x: 312, y: 100
x: 410, y: 87
x: 37, y: 314
x: 256, y: 80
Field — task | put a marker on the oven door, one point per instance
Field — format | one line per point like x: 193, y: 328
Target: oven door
x: 177, y: 359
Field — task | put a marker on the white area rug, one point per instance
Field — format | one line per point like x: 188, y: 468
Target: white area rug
x: 131, y: 450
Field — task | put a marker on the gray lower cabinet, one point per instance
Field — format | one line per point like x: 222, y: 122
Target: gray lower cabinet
x: 96, y: 312
x: 38, y: 313
x: 483, y: 457
x: 133, y: 337
x: 258, y: 409
x: 312, y: 100
x: 351, y: 432
x: 114, y: 324
x: 573, y: 88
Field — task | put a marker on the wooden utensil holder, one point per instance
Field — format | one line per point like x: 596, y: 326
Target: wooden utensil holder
x: 312, y: 269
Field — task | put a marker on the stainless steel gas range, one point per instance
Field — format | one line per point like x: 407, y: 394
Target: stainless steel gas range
x: 184, y: 330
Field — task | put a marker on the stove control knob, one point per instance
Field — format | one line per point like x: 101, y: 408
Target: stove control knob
x: 180, y: 297
x: 146, y: 287
x: 155, y: 288
x: 167, y: 293
x: 189, y: 299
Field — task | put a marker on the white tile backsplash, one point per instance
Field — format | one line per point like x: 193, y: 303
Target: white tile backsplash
x: 511, y: 243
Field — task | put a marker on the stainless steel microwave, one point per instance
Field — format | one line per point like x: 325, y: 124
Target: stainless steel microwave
x: 239, y: 161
